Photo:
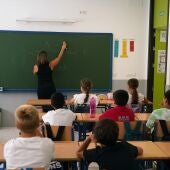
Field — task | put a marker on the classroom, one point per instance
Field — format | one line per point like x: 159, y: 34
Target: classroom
x: 137, y: 31
x: 88, y: 19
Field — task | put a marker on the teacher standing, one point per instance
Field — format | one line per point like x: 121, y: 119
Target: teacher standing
x: 44, y: 68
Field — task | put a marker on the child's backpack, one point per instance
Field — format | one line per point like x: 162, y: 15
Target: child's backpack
x: 133, y: 134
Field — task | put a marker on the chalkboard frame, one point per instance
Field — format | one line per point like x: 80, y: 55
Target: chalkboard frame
x: 109, y: 88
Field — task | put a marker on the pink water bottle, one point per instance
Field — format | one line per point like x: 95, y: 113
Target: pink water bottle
x: 92, y: 107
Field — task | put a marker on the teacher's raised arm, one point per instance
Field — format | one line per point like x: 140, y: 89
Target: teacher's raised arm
x: 43, y: 69
x: 57, y: 59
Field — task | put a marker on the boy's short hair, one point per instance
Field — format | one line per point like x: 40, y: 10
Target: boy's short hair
x: 27, y: 118
x: 167, y: 96
x: 106, y: 132
x: 57, y: 100
x: 120, y: 97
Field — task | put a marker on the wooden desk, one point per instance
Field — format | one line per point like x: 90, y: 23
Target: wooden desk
x: 79, y: 116
x: 2, y: 159
x: 41, y: 102
x: 165, y: 147
x: 106, y: 102
x: 64, y: 151
x: 85, y: 117
x: 142, y: 116
x: 150, y: 150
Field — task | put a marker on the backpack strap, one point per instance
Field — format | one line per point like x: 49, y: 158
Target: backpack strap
x: 43, y: 129
x: 50, y: 133
x: 138, y: 126
x: 59, y: 133
x: 164, y: 128
x: 128, y: 130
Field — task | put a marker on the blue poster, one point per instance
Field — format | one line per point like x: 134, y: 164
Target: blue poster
x: 116, y: 48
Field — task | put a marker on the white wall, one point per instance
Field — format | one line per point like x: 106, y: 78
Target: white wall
x: 124, y: 18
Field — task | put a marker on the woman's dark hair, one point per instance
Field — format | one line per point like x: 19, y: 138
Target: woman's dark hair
x: 86, y: 85
x: 120, y: 97
x: 133, y: 85
x: 167, y: 96
x: 42, y: 58
x: 106, y: 132
x: 57, y: 100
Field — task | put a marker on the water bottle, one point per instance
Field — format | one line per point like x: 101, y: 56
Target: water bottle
x: 92, y: 107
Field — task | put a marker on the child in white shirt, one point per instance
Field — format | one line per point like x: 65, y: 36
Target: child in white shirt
x: 29, y: 149
x: 59, y: 116
x: 85, y: 96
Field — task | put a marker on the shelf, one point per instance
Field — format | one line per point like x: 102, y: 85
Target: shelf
x: 61, y: 21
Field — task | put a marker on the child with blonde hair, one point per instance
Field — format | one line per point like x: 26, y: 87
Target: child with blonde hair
x: 29, y: 149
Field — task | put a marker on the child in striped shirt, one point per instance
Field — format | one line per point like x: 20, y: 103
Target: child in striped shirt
x: 160, y: 114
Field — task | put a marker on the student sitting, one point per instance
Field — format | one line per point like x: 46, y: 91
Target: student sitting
x: 109, y: 153
x: 59, y: 116
x: 160, y: 114
x: 85, y: 95
x: 134, y: 96
x: 29, y: 149
x: 121, y: 112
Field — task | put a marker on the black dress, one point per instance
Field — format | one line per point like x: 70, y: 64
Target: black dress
x: 46, y: 85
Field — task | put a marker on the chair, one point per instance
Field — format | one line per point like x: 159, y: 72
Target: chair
x: 147, y: 108
x: 133, y: 130
x: 102, y: 96
x: 58, y: 133
x: 82, y: 128
x: 162, y: 129
x: 136, y: 108
x: 82, y: 108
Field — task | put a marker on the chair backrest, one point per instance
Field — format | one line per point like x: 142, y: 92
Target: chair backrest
x: 102, y: 96
x: 131, y: 130
x: 82, y: 108
x: 136, y: 108
x: 58, y: 133
x: 147, y: 108
x: 162, y: 130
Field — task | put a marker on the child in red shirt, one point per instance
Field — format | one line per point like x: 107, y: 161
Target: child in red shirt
x: 121, y: 112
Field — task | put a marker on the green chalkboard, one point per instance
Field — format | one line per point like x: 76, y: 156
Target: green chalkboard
x: 89, y: 55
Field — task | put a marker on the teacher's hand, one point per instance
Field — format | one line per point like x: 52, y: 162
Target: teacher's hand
x: 64, y: 45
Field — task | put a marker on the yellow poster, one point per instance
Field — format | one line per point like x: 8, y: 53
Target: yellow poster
x: 124, y: 49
